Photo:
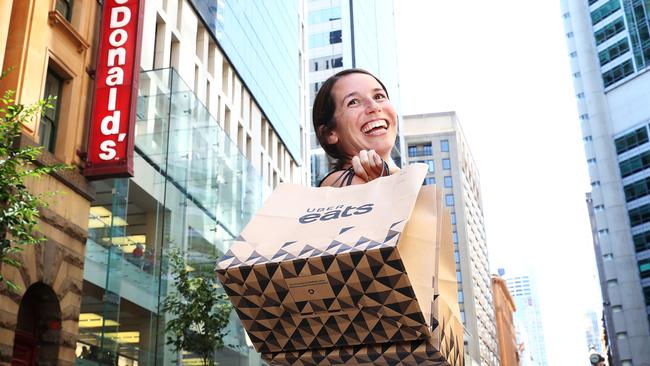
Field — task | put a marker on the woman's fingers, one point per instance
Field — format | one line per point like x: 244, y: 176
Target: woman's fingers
x: 359, y: 170
x: 368, y: 165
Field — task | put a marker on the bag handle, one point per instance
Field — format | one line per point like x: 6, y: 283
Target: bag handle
x: 348, y: 175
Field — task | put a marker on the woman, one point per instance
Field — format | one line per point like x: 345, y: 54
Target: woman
x: 356, y: 124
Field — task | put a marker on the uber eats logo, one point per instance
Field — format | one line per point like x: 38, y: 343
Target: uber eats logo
x: 332, y: 213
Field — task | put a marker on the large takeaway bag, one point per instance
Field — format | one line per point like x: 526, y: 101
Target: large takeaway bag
x: 360, y: 275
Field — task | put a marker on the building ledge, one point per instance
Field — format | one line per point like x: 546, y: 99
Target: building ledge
x: 57, y: 20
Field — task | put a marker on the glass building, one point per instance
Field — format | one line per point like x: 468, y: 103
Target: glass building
x: 193, y: 190
x: 220, y: 123
x: 348, y: 34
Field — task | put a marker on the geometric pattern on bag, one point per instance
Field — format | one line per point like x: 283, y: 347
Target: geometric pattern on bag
x: 413, y: 353
x: 372, y: 302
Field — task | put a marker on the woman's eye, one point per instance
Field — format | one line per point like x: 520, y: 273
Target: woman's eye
x: 380, y: 96
x: 353, y: 102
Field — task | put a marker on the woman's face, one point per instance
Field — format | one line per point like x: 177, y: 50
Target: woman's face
x: 365, y: 117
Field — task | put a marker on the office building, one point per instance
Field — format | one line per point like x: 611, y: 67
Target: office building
x: 504, y: 309
x: 348, y: 34
x: 437, y: 140
x: 609, y: 50
x: 524, y: 293
x: 221, y: 119
x: 49, y: 46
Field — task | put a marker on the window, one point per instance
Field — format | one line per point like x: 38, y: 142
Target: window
x: 413, y: 151
x: 580, y: 95
x: 595, y: 183
x: 49, y: 121
x: 429, y: 181
x: 610, y: 31
x: 577, y: 75
x: 324, y: 39
x: 453, y: 218
x: 604, y: 11
x: 448, y: 183
x: 599, y: 207
x: 324, y: 63
x: 631, y: 140
x: 591, y: 161
x: 459, y: 278
x: 612, y: 52
x: 431, y: 165
x: 641, y: 241
x: 617, y: 73
x: 573, y: 54
x: 449, y: 200
x: 454, y: 237
x: 566, y: 15
x: 446, y: 164
x: 64, y: 7
x: 635, y: 164
x: 456, y: 257
x: 427, y: 150
x: 585, y: 116
x: 637, y: 189
x: 444, y: 145
x: 644, y: 268
x: 639, y: 215
x: 586, y: 138
x: 569, y: 35
x: 460, y: 297
x: 324, y: 15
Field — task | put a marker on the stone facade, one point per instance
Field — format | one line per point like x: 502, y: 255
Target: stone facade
x: 35, y: 40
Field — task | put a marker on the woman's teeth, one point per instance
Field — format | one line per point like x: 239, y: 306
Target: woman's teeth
x: 372, y: 125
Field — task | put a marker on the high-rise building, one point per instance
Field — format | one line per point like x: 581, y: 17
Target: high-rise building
x: 220, y: 120
x: 504, y: 309
x: 437, y: 140
x: 524, y: 293
x: 348, y: 34
x: 609, y: 49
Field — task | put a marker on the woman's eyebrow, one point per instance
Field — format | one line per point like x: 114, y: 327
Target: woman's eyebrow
x: 349, y: 95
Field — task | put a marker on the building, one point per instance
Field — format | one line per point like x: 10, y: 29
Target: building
x: 504, y: 308
x: 437, y: 140
x: 524, y: 292
x: 221, y: 120
x: 348, y: 34
x: 609, y: 50
x: 49, y: 45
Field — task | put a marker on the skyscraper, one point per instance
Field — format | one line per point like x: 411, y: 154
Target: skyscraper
x: 609, y: 49
x: 437, y: 140
x: 346, y: 34
x: 524, y: 293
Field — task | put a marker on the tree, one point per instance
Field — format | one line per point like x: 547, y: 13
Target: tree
x: 19, y: 209
x: 201, y: 311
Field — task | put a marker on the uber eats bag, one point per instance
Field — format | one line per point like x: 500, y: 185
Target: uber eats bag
x: 356, y: 275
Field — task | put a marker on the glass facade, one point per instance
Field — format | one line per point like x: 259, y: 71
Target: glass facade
x: 635, y: 175
x: 261, y: 41
x: 194, y: 190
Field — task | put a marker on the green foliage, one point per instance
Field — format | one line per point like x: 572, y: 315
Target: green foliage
x: 18, y: 207
x: 201, y: 311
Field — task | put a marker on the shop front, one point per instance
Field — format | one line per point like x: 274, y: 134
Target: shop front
x: 193, y: 189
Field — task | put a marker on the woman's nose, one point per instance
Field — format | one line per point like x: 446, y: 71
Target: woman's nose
x: 372, y: 106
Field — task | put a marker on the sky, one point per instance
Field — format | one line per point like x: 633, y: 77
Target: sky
x: 503, y: 67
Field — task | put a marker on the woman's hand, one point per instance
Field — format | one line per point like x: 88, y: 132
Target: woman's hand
x: 368, y: 165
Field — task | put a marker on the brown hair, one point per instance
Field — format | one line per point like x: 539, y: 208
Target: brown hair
x: 323, y: 114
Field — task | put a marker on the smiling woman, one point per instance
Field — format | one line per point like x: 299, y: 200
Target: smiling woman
x: 356, y: 125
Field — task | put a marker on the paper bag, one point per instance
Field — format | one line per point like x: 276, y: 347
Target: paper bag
x: 353, y: 275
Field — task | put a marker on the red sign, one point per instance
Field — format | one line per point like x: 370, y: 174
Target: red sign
x: 110, y: 139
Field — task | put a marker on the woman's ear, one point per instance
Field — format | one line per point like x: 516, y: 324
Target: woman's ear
x: 331, y: 138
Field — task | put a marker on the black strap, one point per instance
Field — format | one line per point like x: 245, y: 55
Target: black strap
x: 347, y: 176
